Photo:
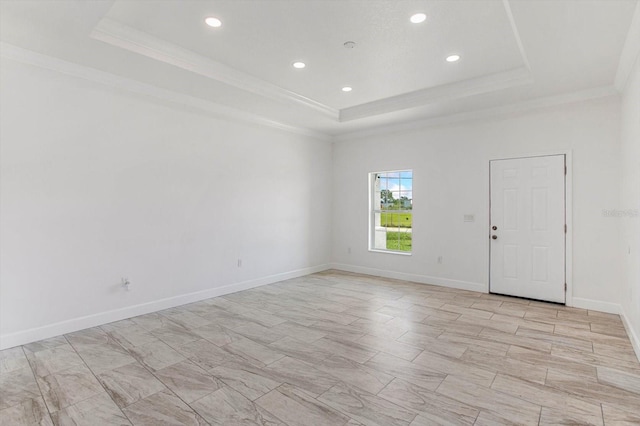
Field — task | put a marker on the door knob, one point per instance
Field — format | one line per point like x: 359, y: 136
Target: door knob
x: 494, y: 227
x: 495, y: 237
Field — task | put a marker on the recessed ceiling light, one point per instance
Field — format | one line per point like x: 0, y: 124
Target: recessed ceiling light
x: 213, y: 22
x: 453, y: 58
x: 418, y: 18
x: 347, y: 89
x: 299, y: 65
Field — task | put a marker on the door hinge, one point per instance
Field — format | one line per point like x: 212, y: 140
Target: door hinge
x: 565, y: 228
x: 565, y: 287
x: 565, y: 170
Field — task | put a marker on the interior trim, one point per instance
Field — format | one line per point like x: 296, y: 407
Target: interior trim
x: 123, y: 36
x: 482, y: 114
x: 29, y: 57
x: 417, y: 278
x: 634, y: 335
x: 120, y: 35
x: 446, y: 92
x: 81, y: 323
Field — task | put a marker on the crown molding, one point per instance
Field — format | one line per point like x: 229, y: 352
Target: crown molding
x: 18, y: 54
x: 630, y: 51
x: 481, y: 114
x: 125, y: 37
x: 446, y: 92
x: 516, y: 33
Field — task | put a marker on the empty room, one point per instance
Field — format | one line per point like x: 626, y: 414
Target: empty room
x: 319, y: 212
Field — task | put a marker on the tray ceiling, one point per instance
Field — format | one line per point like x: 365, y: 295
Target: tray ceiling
x: 511, y: 51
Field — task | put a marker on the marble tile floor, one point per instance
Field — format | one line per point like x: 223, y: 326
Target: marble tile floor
x: 333, y: 349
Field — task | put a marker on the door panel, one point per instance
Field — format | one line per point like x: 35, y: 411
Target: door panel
x: 527, y: 209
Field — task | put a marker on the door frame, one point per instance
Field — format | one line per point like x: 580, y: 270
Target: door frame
x: 568, y: 212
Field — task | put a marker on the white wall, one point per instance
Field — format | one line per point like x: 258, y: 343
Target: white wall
x: 99, y: 184
x: 451, y: 178
x: 630, y: 200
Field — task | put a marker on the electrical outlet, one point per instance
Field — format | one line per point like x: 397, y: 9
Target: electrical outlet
x: 439, y: 259
x: 126, y: 284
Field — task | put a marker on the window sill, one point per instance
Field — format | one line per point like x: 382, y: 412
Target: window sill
x: 401, y: 253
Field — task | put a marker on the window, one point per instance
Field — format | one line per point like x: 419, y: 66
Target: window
x: 391, y: 207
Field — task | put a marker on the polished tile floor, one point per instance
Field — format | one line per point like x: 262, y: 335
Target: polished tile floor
x: 332, y: 349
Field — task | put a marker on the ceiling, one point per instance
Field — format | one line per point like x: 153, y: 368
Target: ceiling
x: 512, y: 51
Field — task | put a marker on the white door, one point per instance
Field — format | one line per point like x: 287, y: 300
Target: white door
x: 527, y: 235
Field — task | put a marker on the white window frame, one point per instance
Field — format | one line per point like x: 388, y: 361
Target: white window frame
x: 373, y: 211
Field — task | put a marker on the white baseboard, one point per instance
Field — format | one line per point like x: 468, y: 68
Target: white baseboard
x: 597, y: 305
x: 75, y: 324
x: 423, y: 279
x: 634, y: 334
x: 612, y: 308
x: 594, y: 305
